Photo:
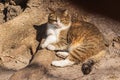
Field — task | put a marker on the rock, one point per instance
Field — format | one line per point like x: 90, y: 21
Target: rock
x: 38, y: 68
x: 15, y: 58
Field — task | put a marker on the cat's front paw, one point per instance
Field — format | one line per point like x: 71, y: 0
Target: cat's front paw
x: 51, y: 47
x: 43, y: 45
x: 62, y: 63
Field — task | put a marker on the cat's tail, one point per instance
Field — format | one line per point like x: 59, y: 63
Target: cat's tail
x: 87, y: 65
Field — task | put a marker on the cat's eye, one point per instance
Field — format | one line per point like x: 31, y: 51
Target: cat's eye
x: 63, y: 19
x: 54, y: 20
x: 51, y: 15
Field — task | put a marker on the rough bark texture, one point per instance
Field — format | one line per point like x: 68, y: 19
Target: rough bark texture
x: 23, y: 27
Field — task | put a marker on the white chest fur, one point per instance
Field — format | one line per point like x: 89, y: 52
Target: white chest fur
x: 52, y: 31
x: 53, y: 34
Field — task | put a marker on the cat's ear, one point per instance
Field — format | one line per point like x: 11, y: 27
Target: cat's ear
x: 51, y: 10
x: 65, y: 13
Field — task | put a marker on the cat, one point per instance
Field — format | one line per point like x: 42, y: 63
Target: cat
x: 75, y: 42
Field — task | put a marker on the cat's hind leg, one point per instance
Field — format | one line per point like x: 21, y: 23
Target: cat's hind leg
x: 87, y: 65
x: 63, y: 63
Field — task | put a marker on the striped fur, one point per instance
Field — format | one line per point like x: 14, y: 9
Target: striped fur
x: 81, y: 40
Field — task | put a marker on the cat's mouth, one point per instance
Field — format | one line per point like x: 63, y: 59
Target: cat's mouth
x: 57, y: 26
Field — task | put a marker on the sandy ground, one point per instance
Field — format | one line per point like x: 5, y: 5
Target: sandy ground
x: 107, y: 69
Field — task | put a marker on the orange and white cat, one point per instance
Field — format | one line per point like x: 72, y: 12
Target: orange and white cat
x: 74, y: 42
x: 54, y: 27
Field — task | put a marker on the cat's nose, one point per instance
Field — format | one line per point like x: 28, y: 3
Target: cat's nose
x: 55, y: 23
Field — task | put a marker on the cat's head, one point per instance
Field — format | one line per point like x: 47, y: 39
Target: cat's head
x: 59, y: 18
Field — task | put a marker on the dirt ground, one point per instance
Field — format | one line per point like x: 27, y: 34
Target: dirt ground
x: 108, y: 68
